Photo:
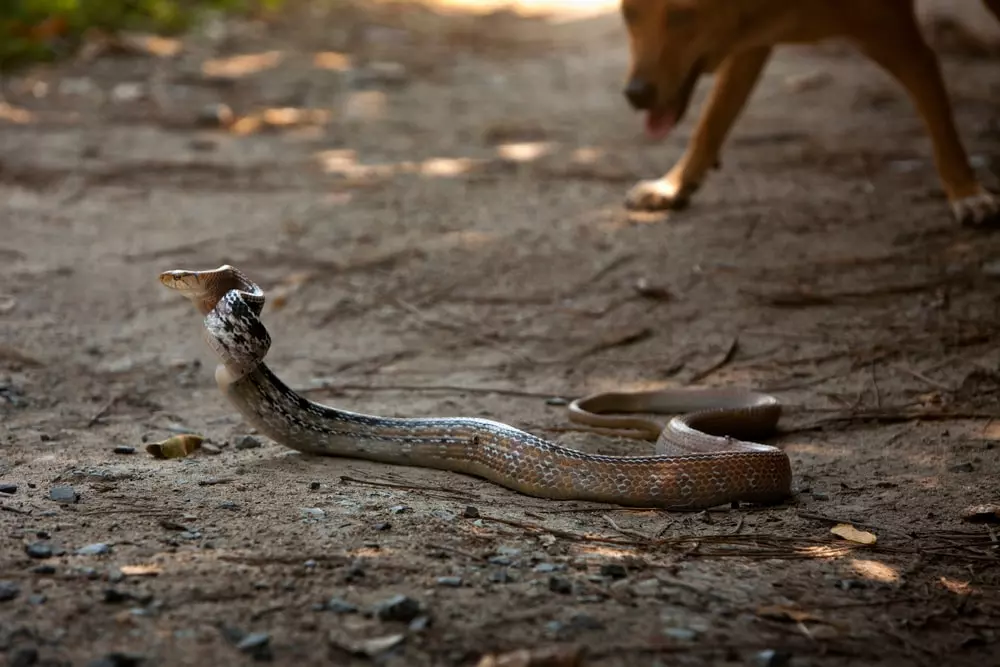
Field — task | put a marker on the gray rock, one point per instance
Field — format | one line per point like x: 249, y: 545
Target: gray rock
x: 9, y: 590
x: 614, y: 570
x: 248, y: 442
x: 96, y: 549
x: 253, y: 642
x: 8, y: 488
x: 123, y: 449
x: 453, y: 582
x: 39, y: 550
x: 64, y: 494
x: 397, y: 608
x: 340, y: 606
x: 560, y: 585
x: 772, y: 658
x: 471, y: 512
x: 23, y: 656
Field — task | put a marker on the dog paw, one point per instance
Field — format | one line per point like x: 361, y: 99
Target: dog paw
x: 658, y: 195
x: 979, y: 210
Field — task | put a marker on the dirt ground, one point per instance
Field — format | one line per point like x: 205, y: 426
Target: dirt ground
x: 440, y: 232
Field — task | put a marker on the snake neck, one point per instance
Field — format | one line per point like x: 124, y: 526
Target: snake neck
x: 237, y: 336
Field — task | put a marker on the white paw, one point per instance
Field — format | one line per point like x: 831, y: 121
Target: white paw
x: 979, y: 210
x: 658, y: 195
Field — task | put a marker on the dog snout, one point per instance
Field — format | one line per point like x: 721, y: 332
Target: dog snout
x: 640, y: 93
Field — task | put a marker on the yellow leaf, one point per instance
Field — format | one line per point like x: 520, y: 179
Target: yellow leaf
x: 852, y: 534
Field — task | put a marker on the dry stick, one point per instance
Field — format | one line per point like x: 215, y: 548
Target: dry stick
x: 623, y: 531
x: 878, y: 393
x: 105, y: 409
x: 722, y: 361
x: 923, y: 378
x: 410, y: 487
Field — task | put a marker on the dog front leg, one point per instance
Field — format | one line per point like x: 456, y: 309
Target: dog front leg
x: 735, y: 81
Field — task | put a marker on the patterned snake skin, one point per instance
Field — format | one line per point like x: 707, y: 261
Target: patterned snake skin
x: 702, y: 460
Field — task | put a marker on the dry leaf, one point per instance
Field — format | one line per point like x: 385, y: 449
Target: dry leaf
x: 144, y: 570
x: 852, y: 534
x: 175, y: 447
x: 551, y: 656
x: 779, y: 612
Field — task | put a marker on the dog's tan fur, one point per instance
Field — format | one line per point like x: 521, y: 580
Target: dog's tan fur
x: 672, y: 39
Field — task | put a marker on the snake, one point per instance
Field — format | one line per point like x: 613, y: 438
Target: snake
x: 707, y: 455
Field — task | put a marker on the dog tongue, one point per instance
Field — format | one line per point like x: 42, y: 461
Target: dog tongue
x: 659, y: 125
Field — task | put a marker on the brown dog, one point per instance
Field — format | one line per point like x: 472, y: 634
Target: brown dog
x: 673, y: 42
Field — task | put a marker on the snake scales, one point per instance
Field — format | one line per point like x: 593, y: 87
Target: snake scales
x: 703, y: 455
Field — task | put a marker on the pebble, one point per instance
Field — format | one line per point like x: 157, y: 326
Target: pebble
x: 310, y: 564
x: 499, y: 560
x: 25, y: 656
x: 314, y: 486
x: 39, y: 550
x: 247, y: 442
x: 453, y: 582
x: 215, y: 115
x: 819, y: 495
x: 254, y: 642
x: 397, y: 608
x: 124, y: 449
x: 471, y: 511
x: 683, y: 634
x: 500, y: 577
x: 228, y: 505
x: 509, y: 551
x: 560, y: 585
x: 647, y: 587
x: 8, y: 488
x: 118, y: 660
x: 399, y: 509
x: 45, y: 569
x: 585, y: 622
x: 340, y: 606
x: 382, y: 525
x: 851, y: 584
x: 549, y: 567
x: 37, y: 598
x: 114, y: 596
x: 965, y: 466
x: 64, y: 494
x: 210, y: 449
x: 420, y: 623
x: 772, y: 658
x: 9, y: 590
x: 614, y: 570
x: 313, y: 513
x: 96, y: 549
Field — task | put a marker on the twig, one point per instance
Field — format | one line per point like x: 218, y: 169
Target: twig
x: 923, y: 378
x: 623, y: 531
x: 722, y: 361
x: 105, y: 409
x: 409, y: 487
x: 618, y: 340
x: 14, y: 510
x: 878, y: 393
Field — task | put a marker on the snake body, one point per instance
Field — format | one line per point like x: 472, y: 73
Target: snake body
x: 703, y: 456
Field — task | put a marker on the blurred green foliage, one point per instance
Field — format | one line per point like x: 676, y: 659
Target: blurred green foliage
x: 36, y: 30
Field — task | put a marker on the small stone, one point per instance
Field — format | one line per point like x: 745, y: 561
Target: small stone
x: 453, y: 582
x: 500, y: 577
x: 647, y: 587
x: 471, y: 512
x: 24, y: 656
x: 123, y: 449
x: 382, y: 525
x: 556, y: 400
x: 420, y: 623
x: 851, y: 584
x: 36, y: 599
x: 64, y: 494
x: 39, y: 550
x: 312, y: 513
x: 397, y: 608
x: 210, y: 449
x: 614, y: 570
x: 118, y: 660
x: 43, y: 535
x: 444, y: 515
x: 772, y: 658
x: 44, y: 569
x: 399, y: 509
x: 965, y: 466
x: 115, y: 575
x: 355, y: 570
x: 549, y: 567
x: 682, y: 634
x: 314, y: 486
x: 115, y: 596
x: 505, y: 550
x: 8, y: 590
x: 499, y: 560
x: 8, y: 488
x: 228, y: 505
x: 310, y: 564
x: 248, y: 442
x: 254, y: 642
x: 340, y: 606
x: 820, y: 495
x: 215, y: 115
x: 96, y: 549
x: 560, y: 585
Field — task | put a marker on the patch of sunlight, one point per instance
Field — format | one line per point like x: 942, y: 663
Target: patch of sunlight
x: 587, y: 155
x: 332, y: 60
x: 826, y: 551
x: 597, y: 551
x: 874, y: 570
x: 956, y: 587
x: 524, y: 151
x: 365, y: 105
x: 444, y: 166
x: 528, y: 7
x: 15, y: 114
x: 240, y: 66
x: 469, y: 239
